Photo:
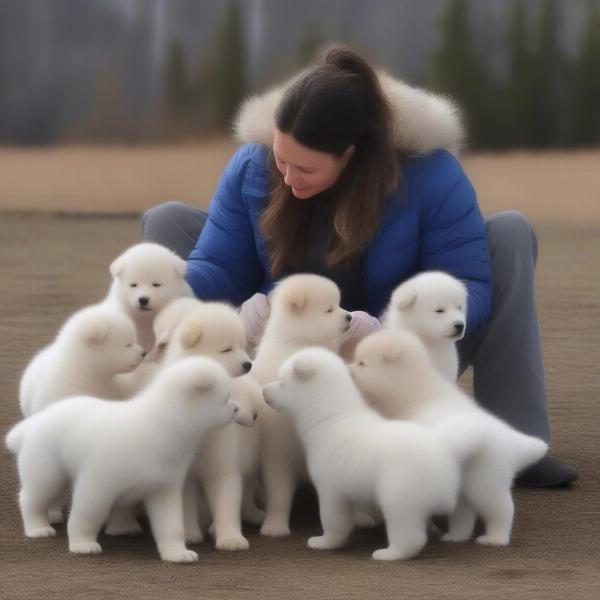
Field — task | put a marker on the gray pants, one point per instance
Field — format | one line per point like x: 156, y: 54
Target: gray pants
x: 508, y: 374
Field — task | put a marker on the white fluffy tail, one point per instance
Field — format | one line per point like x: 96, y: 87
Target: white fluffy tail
x: 528, y: 450
x: 14, y: 438
x: 461, y: 435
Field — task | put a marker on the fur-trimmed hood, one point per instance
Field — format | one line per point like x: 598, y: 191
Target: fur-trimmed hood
x: 423, y: 121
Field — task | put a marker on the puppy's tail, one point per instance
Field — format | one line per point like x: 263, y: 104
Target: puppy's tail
x: 527, y: 450
x: 461, y: 436
x: 14, y: 438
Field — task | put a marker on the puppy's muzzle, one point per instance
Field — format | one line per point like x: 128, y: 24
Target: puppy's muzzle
x: 459, y: 330
x: 144, y: 303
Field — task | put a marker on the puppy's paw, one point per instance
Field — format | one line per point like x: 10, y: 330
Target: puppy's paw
x: 492, y: 540
x: 85, y: 548
x: 388, y: 554
x: 179, y: 555
x: 276, y: 530
x: 55, y: 517
x: 40, y: 532
x: 232, y: 542
x: 454, y: 537
x: 323, y: 542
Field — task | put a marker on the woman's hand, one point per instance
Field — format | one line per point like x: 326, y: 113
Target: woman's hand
x: 361, y: 326
x: 255, y: 313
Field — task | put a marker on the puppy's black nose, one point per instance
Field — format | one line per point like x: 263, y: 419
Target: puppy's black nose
x: 144, y: 354
x: 247, y: 366
x: 254, y: 417
x: 348, y: 317
x: 459, y: 327
x: 143, y: 300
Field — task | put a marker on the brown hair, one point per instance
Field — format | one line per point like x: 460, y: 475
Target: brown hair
x: 328, y: 107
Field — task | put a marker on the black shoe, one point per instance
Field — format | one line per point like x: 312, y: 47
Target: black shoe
x: 550, y: 472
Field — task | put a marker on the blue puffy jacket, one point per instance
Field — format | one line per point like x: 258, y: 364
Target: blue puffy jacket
x: 431, y: 222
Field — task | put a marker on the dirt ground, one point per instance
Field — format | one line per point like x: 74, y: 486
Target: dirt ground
x: 50, y: 265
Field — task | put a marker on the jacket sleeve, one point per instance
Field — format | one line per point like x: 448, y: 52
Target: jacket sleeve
x: 453, y: 235
x: 224, y: 264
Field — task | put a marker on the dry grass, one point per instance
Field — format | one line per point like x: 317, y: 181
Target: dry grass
x: 560, y: 187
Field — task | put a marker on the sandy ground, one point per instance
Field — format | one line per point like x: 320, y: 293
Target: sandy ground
x: 51, y: 265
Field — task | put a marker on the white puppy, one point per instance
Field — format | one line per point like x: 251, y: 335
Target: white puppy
x: 396, y: 375
x: 212, y: 329
x: 166, y: 322
x: 91, y: 348
x: 433, y: 306
x: 305, y: 311
x: 118, y: 453
x: 146, y: 277
x: 226, y: 468
x: 227, y: 461
x: 356, y: 457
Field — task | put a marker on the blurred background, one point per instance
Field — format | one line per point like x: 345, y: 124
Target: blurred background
x: 116, y: 104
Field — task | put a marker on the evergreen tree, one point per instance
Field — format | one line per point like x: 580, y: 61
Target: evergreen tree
x: 519, y: 105
x: 228, y: 75
x: 176, y: 84
x: 309, y: 44
x: 548, y: 75
x: 458, y: 71
x: 585, y: 105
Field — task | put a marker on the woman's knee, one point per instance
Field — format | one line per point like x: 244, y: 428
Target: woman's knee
x: 511, y: 229
x: 167, y: 211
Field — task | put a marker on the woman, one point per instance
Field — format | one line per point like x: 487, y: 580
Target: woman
x: 351, y: 175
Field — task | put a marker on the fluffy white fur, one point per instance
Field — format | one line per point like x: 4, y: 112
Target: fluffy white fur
x: 305, y: 311
x: 227, y: 462
x: 187, y: 327
x: 398, y: 378
x: 356, y: 457
x: 433, y: 306
x: 166, y: 322
x: 92, y: 347
x: 146, y: 277
x: 212, y: 329
x: 423, y: 121
x: 117, y: 453
x: 226, y: 468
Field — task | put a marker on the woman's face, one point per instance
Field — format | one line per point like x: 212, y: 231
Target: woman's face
x: 308, y: 172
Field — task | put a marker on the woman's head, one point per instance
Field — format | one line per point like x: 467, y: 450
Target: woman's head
x: 305, y: 171
x: 333, y: 127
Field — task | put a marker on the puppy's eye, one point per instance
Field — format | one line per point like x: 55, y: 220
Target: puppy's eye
x: 460, y: 308
x: 133, y: 285
x: 360, y: 363
x: 329, y: 310
x: 440, y: 311
x: 156, y: 284
x: 226, y: 350
x: 129, y: 345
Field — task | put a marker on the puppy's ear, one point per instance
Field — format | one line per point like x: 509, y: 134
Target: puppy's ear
x: 297, y: 301
x: 405, y: 296
x: 303, y: 369
x: 180, y: 266
x: 117, y: 266
x: 95, y: 333
x: 205, y: 382
x: 191, y: 334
